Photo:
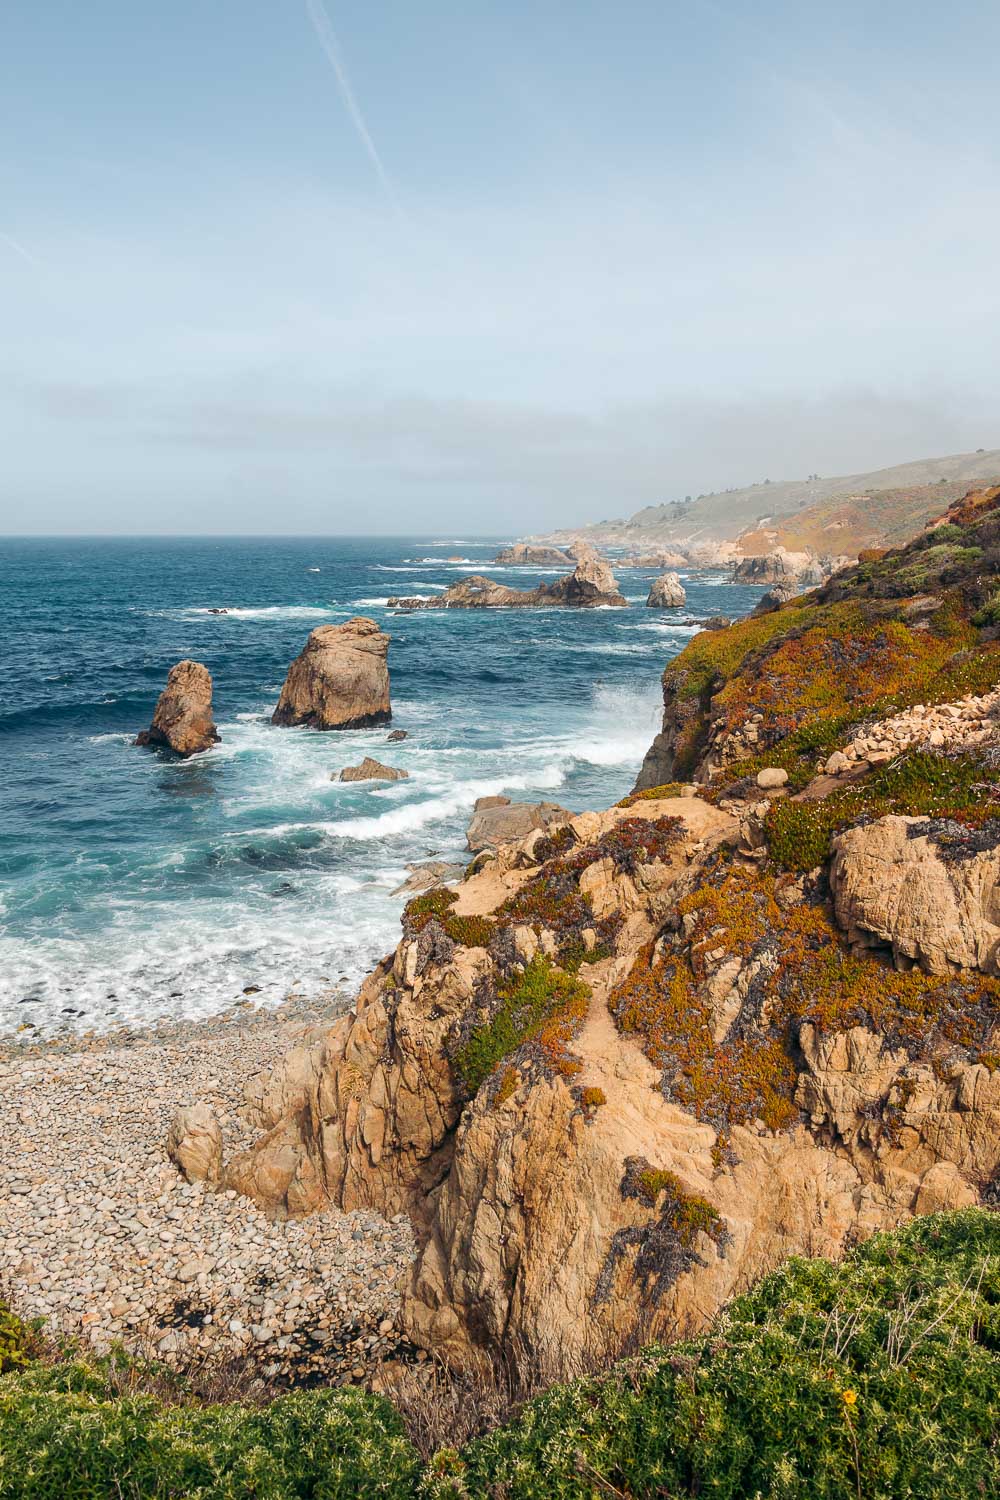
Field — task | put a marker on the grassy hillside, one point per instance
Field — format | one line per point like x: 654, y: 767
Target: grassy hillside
x: 887, y: 654
x: 724, y: 515
x: 845, y: 527
x: 879, y: 1377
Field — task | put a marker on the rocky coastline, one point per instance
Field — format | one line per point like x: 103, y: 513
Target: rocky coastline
x: 637, y: 1057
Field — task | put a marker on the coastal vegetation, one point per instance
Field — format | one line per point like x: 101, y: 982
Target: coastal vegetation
x: 877, y: 1377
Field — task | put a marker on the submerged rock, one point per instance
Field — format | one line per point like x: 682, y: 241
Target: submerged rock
x: 396, y: 736
x: 370, y: 770
x: 182, y: 721
x: 667, y: 592
x: 340, y: 679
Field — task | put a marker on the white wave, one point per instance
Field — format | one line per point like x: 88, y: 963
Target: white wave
x: 276, y: 612
x: 312, y: 570
x: 110, y: 739
x: 414, y: 815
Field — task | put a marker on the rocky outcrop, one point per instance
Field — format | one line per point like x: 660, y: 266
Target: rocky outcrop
x: 966, y: 725
x: 781, y: 593
x: 650, y: 1138
x: 370, y: 770
x: 771, y: 568
x: 340, y: 679
x: 663, y: 557
x: 182, y: 721
x: 524, y: 555
x: 428, y: 875
x: 498, y: 820
x: 666, y: 592
x: 927, y: 889
x: 590, y: 585
x: 194, y: 1144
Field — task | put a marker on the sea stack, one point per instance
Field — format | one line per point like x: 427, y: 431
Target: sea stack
x: 182, y: 721
x: 667, y: 592
x: 340, y: 679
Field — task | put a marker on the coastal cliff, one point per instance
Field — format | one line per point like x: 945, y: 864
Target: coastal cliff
x: 644, y: 1055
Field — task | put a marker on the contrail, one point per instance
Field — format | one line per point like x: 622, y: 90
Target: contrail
x: 18, y: 249
x: 327, y: 38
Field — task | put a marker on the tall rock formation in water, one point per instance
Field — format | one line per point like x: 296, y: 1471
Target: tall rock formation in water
x: 339, y: 680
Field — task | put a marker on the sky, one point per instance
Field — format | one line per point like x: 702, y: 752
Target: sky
x: 311, y: 266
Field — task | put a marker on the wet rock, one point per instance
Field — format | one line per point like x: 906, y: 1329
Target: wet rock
x: 182, y: 721
x: 340, y: 679
x: 666, y: 592
x: 370, y: 770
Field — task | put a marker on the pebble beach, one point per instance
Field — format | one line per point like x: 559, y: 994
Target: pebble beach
x: 102, y: 1237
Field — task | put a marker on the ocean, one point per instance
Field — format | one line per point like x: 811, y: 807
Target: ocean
x: 135, y: 888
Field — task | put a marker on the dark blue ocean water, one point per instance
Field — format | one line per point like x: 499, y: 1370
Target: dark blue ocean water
x: 133, y: 886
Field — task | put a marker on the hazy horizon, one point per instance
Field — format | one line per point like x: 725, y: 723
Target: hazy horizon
x: 266, y: 268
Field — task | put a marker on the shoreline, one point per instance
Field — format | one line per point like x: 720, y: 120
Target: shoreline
x: 103, y: 1238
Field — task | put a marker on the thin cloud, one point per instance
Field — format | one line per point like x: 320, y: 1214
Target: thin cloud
x: 18, y: 248
x: 327, y: 38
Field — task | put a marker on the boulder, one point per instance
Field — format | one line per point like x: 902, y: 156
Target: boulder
x: 194, y: 1144
x: 667, y: 592
x: 370, y: 770
x: 182, y: 721
x: 340, y: 679
x: 428, y: 876
x: 498, y: 820
x: 395, y: 736
x: 771, y: 778
x: 781, y: 593
x: 522, y: 554
x: 927, y: 891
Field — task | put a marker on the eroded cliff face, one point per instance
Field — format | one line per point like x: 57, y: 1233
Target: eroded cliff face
x: 624, y: 1071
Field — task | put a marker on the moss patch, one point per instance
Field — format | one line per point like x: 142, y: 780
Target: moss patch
x: 543, y: 1005
x: 916, y: 784
x: 796, y: 968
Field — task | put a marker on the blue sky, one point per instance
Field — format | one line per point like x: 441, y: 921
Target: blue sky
x: 270, y: 265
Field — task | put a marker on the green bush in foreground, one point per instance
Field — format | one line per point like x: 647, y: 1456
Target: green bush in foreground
x: 878, y: 1378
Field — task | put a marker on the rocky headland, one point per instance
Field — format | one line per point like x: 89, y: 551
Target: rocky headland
x: 638, y: 1057
x: 339, y: 680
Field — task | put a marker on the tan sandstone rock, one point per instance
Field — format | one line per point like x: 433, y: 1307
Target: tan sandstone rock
x: 340, y: 679
x: 666, y: 592
x: 182, y: 721
x: 498, y: 820
x: 370, y: 770
x: 934, y: 904
x: 194, y: 1144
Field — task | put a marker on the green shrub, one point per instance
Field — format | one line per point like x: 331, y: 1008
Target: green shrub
x: 63, y: 1434
x: 18, y: 1340
x: 879, y: 1377
x: 543, y: 1002
x: 915, y: 784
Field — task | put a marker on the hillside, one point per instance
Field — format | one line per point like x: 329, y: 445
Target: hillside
x: 846, y: 526
x: 722, y: 516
